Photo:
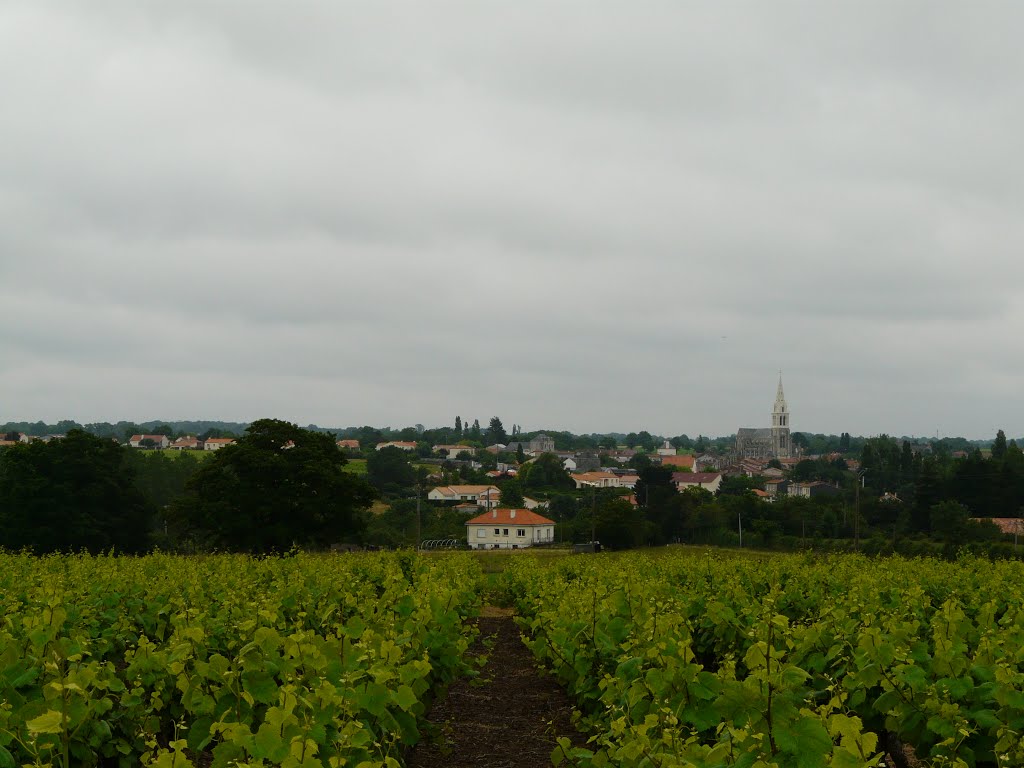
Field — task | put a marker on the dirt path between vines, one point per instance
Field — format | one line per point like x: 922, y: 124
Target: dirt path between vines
x: 509, y: 718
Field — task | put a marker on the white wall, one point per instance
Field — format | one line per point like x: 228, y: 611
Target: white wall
x: 534, y: 534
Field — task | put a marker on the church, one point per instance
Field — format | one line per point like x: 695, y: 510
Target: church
x: 772, y: 442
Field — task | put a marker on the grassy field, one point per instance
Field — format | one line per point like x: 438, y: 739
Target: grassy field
x: 356, y: 466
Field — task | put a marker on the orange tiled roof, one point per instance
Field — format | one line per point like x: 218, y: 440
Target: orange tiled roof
x: 677, y: 461
x: 503, y: 516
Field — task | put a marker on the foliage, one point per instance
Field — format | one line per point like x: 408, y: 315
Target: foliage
x: 714, y: 659
x: 390, y: 472
x: 279, y: 485
x: 301, y: 661
x: 72, y: 494
x: 545, y: 473
x: 511, y: 494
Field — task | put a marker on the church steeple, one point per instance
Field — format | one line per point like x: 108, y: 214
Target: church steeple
x: 780, y: 424
x: 780, y: 407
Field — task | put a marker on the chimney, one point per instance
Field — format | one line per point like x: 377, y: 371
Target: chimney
x: 494, y: 514
x: 512, y: 514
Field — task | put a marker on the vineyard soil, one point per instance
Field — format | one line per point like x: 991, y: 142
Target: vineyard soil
x: 509, y: 718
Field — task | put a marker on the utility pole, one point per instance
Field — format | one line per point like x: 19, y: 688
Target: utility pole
x: 740, y: 515
x: 593, y: 514
x: 418, y: 521
x: 856, y: 510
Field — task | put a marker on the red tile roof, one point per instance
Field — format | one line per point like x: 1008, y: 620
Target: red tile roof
x: 1006, y: 524
x: 677, y: 461
x: 503, y: 516
x: 695, y: 477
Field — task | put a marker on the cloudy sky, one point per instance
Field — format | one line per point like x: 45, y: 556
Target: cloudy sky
x: 586, y: 215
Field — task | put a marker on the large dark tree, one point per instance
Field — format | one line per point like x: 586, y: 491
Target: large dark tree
x: 390, y: 472
x: 545, y: 473
x: 496, y: 431
x: 76, y: 493
x: 277, y: 486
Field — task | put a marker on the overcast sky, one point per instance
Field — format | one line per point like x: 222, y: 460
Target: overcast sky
x: 583, y: 215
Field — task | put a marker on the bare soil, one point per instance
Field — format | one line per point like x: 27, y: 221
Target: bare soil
x: 509, y: 717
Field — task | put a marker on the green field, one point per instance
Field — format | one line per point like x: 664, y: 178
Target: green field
x: 356, y: 466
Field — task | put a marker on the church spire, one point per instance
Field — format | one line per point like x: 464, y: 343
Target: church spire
x: 780, y: 397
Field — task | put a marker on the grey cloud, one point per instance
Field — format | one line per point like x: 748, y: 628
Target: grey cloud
x: 580, y: 215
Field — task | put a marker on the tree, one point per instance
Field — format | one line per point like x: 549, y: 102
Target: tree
x: 277, y: 486
x: 71, y: 494
x: 999, y: 445
x: 458, y: 426
x: 949, y: 521
x: 496, y: 432
x: 511, y: 494
x: 844, y: 442
x: 390, y: 472
x: 474, y: 431
x: 545, y: 472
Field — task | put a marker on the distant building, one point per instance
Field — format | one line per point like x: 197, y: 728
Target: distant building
x: 402, y: 445
x: 149, y: 441
x: 216, y: 443
x: 709, y: 481
x: 772, y: 442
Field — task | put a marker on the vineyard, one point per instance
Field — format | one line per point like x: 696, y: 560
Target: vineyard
x: 675, y: 659
x: 226, y: 660
x: 724, y: 660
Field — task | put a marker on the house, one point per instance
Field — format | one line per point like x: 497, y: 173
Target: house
x: 621, y: 455
x: 776, y: 487
x: 402, y: 445
x: 475, y: 494
x: 454, y: 450
x: 706, y: 460
x: 709, y: 481
x: 467, y: 508
x: 596, y: 480
x: 605, y: 479
x: 666, y: 449
x: 532, y: 504
x: 680, y: 462
x: 187, y: 443
x: 509, y: 529
x: 763, y: 495
x: 349, y: 445
x: 216, y: 443
x: 1007, y: 525
x: 541, y: 444
x: 151, y: 441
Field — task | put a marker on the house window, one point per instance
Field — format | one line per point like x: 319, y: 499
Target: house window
x: 504, y: 531
x: 481, y: 533
x: 520, y: 531
x: 497, y: 531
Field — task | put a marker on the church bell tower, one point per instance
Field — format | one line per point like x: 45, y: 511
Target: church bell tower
x: 782, y: 445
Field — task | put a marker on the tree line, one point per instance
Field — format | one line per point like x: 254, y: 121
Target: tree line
x: 281, y: 485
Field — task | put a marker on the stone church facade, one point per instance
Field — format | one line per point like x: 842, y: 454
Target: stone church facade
x: 772, y: 442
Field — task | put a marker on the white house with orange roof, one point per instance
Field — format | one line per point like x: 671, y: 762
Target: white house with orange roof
x: 709, y: 481
x: 505, y: 528
x: 475, y: 494
x: 216, y: 443
x: 603, y: 480
x: 148, y: 441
